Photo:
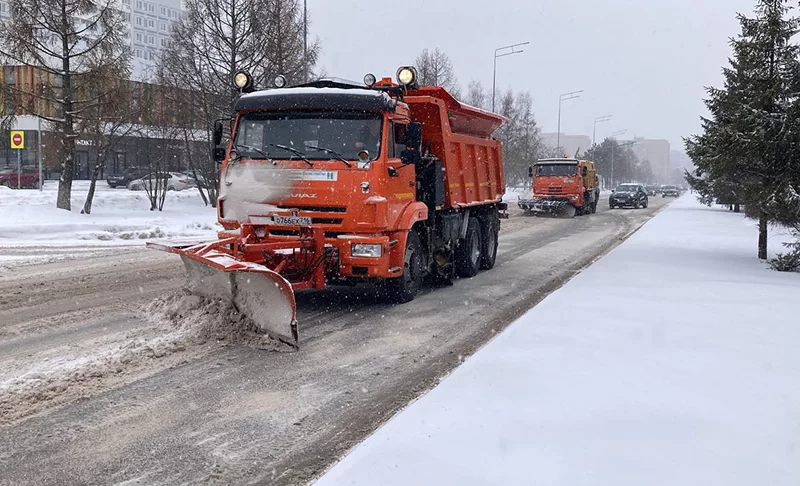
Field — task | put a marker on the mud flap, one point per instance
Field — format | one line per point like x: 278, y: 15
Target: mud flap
x: 257, y: 292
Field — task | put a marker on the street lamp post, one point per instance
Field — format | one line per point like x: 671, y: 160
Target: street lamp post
x: 614, y: 144
x: 566, y: 96
x: 497, y: 54
x: 599, y: 119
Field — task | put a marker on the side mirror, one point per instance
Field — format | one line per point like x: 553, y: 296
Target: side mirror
x: 414, y: 135
x: 585, y: 171
x: 410, y: 157
x: 530, y: 171
x: 219, y: 154
x: 217, y: 132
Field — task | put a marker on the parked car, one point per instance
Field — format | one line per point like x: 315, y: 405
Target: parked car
x: 670, y: 191
x: 630, y: 195
x: 174, y: 181
x: 28, y: 178
x: 199, y: 181
x: 652, y: 189
x: 122, y: 179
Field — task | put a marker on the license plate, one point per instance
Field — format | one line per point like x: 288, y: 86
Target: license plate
x: 292, y: 220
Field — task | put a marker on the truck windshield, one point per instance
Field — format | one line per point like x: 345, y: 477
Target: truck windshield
x: 556, y: 170
x: 344, y: 134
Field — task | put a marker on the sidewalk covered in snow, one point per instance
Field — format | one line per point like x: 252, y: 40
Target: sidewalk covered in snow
x: 673, y: 360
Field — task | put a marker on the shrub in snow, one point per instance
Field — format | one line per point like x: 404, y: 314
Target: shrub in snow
x: 788, y: 262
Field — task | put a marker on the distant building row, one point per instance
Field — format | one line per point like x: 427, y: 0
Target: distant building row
x: 656, y: 152
x: 155, y: 111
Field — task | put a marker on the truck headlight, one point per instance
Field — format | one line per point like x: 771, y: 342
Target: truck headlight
x: 366, y: 251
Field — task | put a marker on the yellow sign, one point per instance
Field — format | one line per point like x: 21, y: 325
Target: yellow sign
x: 17, y: 139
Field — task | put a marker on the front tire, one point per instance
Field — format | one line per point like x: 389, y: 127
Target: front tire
x: 468, y: 254
x: 404, y: 289
x: 489, y: 238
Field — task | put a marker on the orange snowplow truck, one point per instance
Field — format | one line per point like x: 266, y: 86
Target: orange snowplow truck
x: 563, y: 185
x: 334, y: 183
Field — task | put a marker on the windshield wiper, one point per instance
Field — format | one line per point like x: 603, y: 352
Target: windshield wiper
x: 331, y: 152
x: 239, y: 147
x: 292, y: 150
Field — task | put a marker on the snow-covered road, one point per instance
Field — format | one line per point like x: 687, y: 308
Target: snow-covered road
x: 673, y: 360
x: 150, y: 397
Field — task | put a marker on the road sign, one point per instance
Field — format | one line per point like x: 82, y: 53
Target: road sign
x: 17, y: 139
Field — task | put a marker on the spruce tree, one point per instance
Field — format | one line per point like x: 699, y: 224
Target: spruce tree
x: 749, y: 146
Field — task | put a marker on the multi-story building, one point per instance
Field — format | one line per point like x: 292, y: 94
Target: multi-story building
x: 149, y: 28
x: 656, y: 152
x: 570, y: 144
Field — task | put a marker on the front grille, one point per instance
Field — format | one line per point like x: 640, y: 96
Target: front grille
x: 555, y: 190
x: 316, y: 209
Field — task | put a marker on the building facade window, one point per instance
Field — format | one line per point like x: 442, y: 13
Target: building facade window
x: 139, y: 21
x: 163, y: 11
x: 139, y: 5
x: 151, y: 24
x: 138, y: 37
x: 150, y: 40
x: 162, y: 26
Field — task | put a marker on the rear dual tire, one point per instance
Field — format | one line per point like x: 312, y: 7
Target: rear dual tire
x: 469, y: 253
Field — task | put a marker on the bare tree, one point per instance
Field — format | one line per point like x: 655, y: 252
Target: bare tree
x: 476, y: 96
x: 160, y: 147
x: 71, y: 40
x: 214, y: 40
x: 107, y: 122
x: 436, y: 69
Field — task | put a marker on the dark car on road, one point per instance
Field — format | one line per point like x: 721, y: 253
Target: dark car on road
x: 672, y: 191
x: 628, y: 195
x: 652, y: 190
x: 123, y: 178
x: 28, y: 178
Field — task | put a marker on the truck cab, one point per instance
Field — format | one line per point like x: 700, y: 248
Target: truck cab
x: 362, y: 167
x: 561, y: 183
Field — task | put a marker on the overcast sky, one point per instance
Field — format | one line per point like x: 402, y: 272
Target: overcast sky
x: 643, y: 61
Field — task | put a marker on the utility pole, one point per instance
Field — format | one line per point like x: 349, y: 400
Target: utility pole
x: 39, y: 153
x: 614, y: 144
x: 305, y: 41
x: 566, y: 96
x: 514, y: 50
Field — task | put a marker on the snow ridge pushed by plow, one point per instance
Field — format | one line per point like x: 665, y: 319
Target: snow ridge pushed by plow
x: 178, y: 327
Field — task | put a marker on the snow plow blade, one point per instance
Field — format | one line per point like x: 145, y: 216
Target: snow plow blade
x: 547, y: 206
x: 257, y: 292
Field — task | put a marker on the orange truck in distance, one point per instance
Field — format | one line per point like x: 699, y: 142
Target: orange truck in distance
x: 563, y: 186
x: 332, y: 183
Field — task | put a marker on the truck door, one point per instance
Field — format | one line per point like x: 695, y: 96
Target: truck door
x: 400, y: 187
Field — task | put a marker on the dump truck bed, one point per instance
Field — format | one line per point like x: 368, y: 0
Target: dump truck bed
x: 460, y: 135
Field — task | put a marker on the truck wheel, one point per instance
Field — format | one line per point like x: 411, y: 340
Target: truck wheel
x: 468, y: 254
x: 489, y: 234
x: 403, y: 289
